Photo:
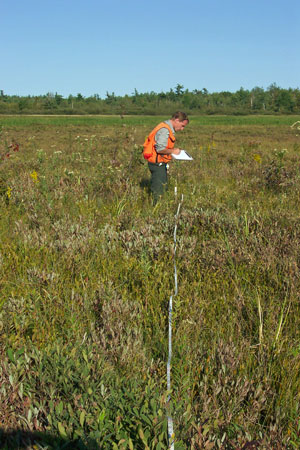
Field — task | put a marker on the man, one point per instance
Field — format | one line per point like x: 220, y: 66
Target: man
x: 159, y: 148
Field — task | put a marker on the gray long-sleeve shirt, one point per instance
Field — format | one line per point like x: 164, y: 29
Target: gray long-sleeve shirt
x: 161, y: 137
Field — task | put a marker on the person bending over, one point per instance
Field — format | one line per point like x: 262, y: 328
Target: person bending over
x: 158, y: 149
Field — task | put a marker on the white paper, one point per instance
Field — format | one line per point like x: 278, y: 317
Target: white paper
x: 183, y: 155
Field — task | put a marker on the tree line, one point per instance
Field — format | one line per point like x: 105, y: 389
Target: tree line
x: 255, y: 101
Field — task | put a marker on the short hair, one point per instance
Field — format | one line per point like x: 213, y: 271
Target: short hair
x: 180, y: 115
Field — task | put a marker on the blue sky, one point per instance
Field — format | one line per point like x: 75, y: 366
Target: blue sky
x: 94, y: 46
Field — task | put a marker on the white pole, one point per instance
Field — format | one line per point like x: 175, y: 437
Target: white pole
x: 171, y: 435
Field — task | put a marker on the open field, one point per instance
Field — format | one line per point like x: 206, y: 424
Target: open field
x: 29, y: 120
x: 86, y: 272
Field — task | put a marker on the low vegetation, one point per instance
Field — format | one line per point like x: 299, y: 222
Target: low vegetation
x: 86, y: 267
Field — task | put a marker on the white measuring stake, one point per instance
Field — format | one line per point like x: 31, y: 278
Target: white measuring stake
x: 171, y: 435
x: 170, y: 420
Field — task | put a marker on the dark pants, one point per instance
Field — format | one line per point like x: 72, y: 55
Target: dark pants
x: 159, y: 180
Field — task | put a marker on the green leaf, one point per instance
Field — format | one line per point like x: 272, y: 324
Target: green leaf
x: 146, y: 419
x: 62, y: 430
x: 10, y: 354
x: 85, y: 356
x: 82, y: 417
x: 130, y: 444
x: 101, y: 416
x: 59, y: 408
x: 141, y: 433
x: 153, y: 405
x: 71, y: 412
x: 188, y: 410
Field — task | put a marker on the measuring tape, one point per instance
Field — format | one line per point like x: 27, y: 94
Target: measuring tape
x: 171, y: 435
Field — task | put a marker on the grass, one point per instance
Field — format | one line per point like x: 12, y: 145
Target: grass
x: 87, y: 270
x: 60, y: 120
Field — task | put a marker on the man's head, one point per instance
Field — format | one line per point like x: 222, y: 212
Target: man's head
x: 179, y: 120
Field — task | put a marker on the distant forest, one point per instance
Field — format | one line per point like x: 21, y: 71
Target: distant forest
x: 273, y: 100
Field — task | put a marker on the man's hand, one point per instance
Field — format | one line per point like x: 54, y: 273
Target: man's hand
x: 170, y: 151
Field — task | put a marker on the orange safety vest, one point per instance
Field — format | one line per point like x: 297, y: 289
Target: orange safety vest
x: 149, y: 151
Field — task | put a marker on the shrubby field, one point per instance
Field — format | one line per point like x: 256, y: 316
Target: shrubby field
x: 86, y: 266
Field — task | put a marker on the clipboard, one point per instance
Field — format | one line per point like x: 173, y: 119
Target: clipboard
x: 183, y: 156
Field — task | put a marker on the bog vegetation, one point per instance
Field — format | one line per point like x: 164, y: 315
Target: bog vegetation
x: 86, y: 269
